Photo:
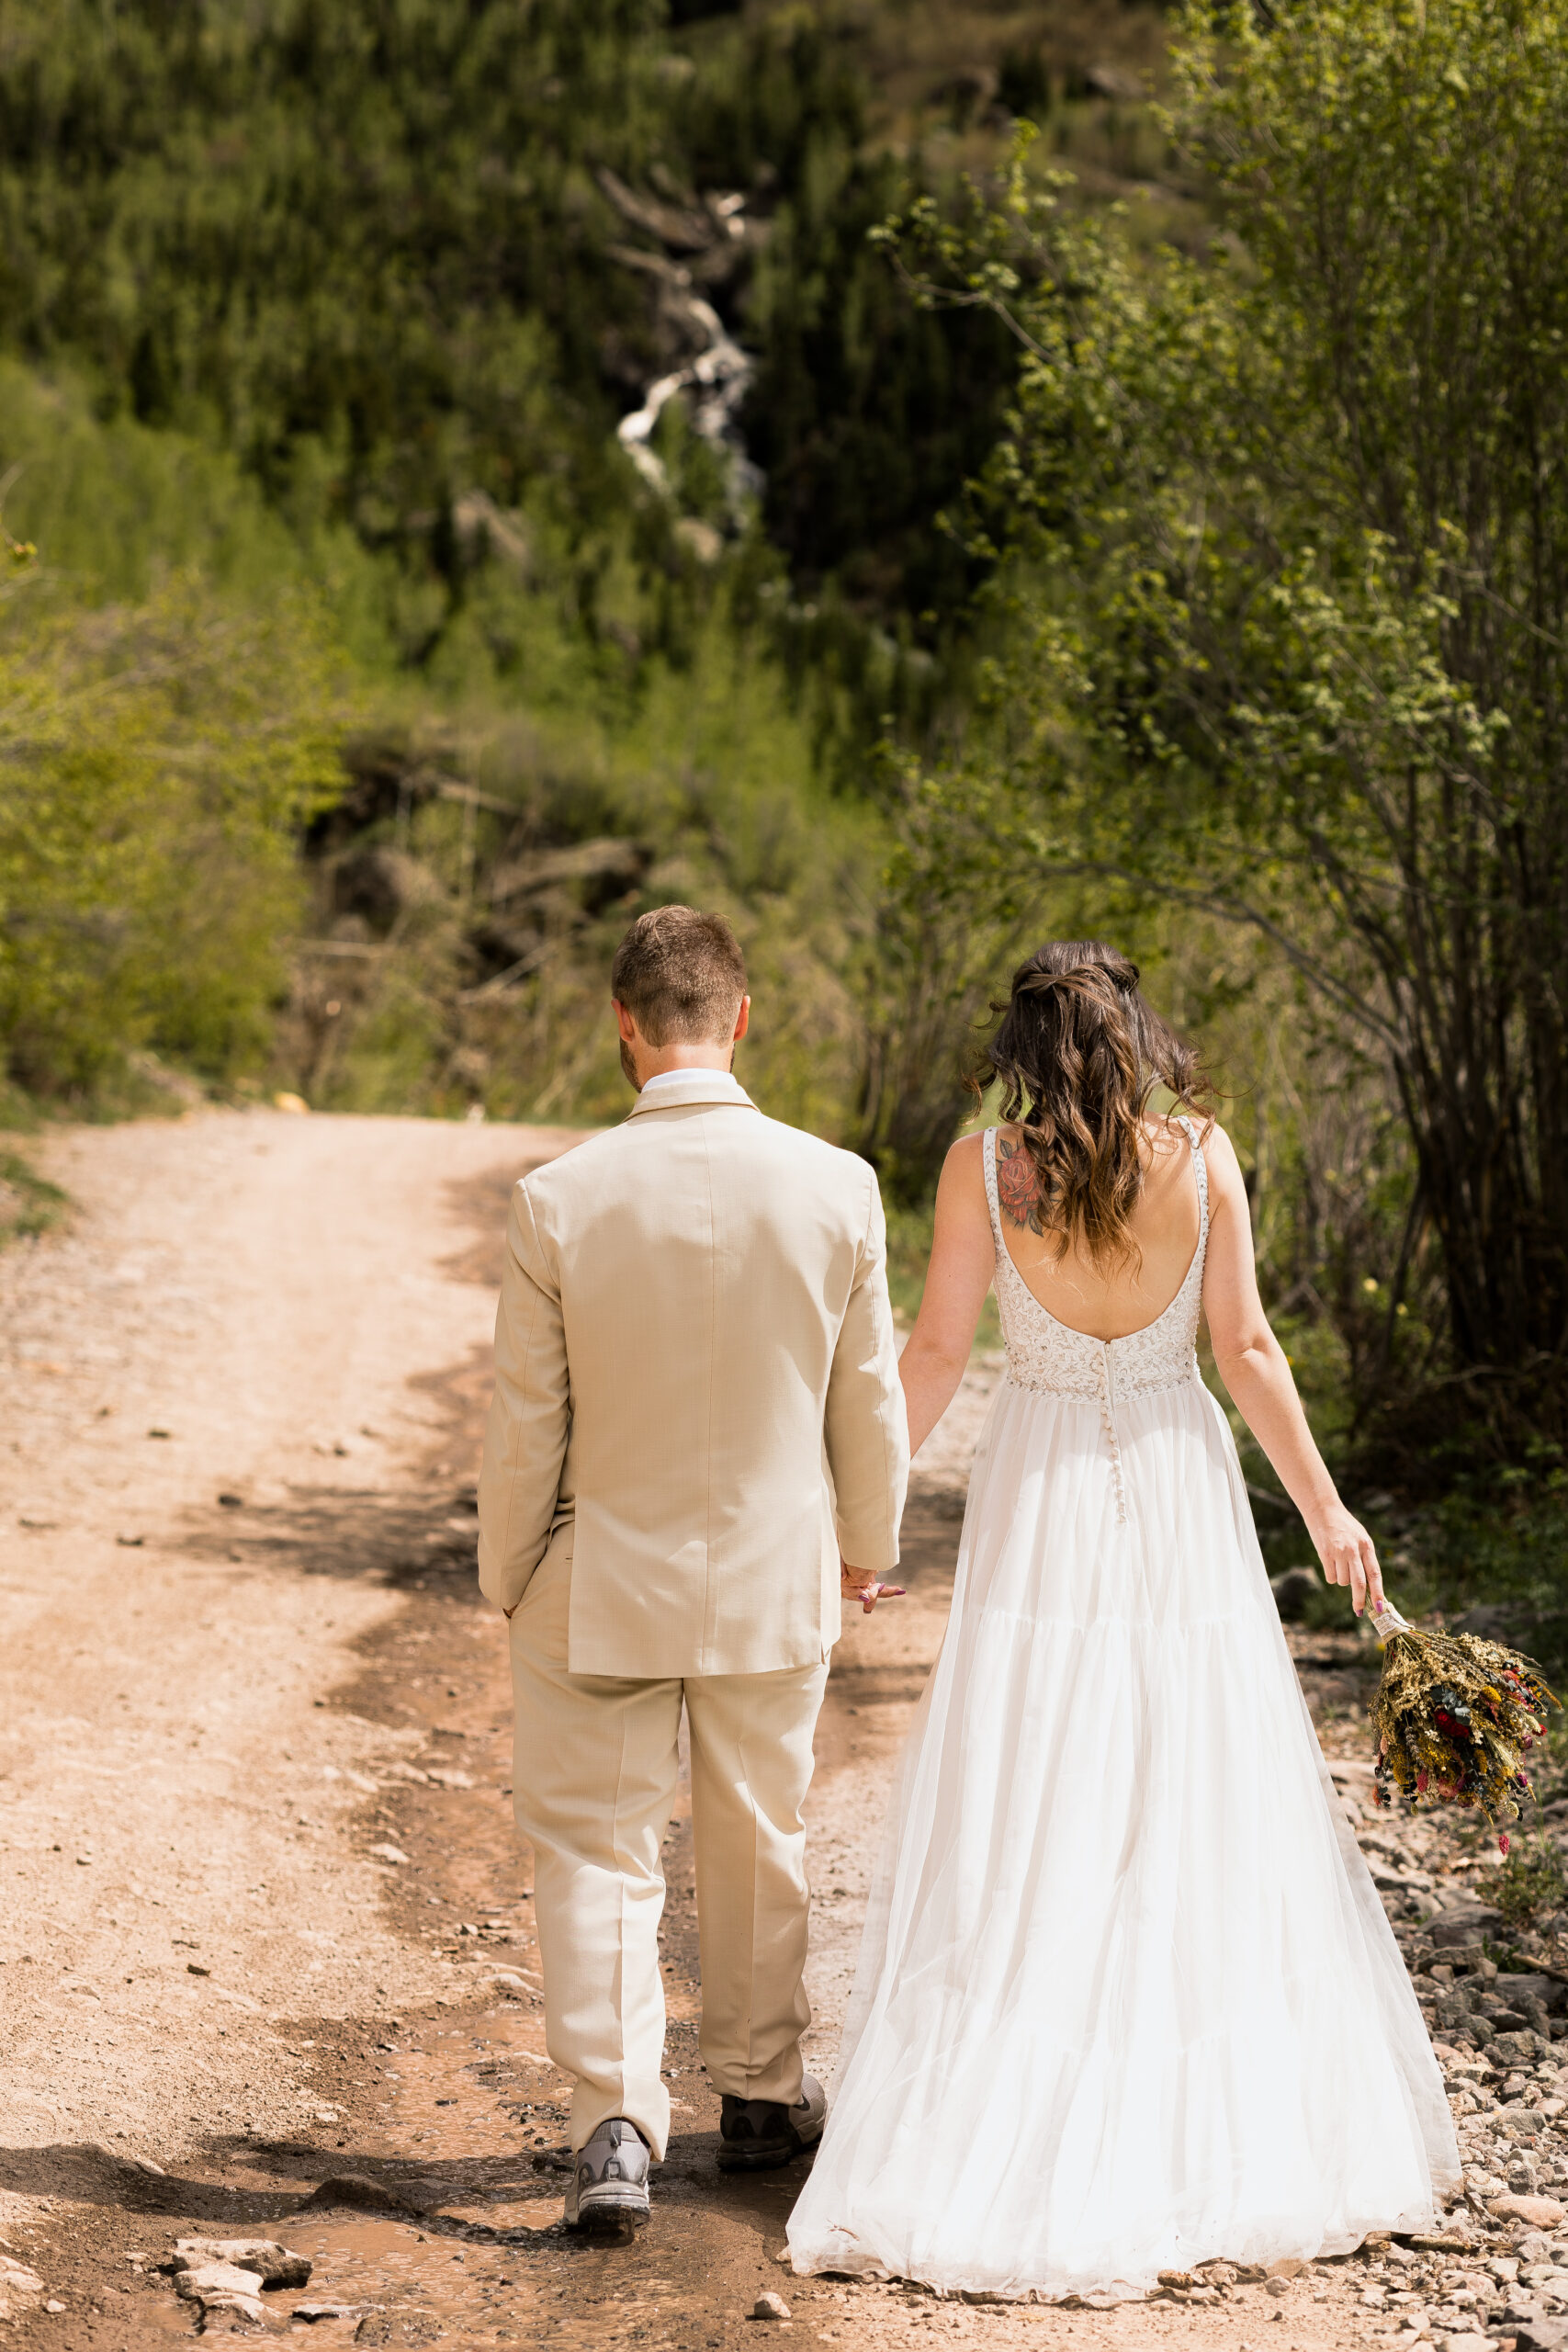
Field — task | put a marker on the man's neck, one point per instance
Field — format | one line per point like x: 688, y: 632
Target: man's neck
x: 677, y: 1084
x: 670, y: 1059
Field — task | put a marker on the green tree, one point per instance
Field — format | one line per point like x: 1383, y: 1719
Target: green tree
x: 368, y: 247
x: 1284, y: 538
x: 357, y: 228
x: 156, y: 761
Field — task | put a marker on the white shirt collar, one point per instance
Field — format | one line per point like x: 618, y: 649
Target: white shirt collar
x: 669, y: 1085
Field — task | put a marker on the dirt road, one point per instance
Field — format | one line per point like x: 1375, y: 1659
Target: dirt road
x: 263, y: 1920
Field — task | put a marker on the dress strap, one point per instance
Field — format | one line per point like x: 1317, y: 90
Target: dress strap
x: 989, y: 1156
x: 1201, y: 1171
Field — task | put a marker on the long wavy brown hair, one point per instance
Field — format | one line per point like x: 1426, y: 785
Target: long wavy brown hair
x: 1079, y: 1053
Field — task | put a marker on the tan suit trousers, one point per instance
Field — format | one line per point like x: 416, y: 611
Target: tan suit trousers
x: 595, y: 1785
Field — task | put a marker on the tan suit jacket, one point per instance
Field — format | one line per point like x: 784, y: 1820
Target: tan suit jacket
x: 697, y: 1388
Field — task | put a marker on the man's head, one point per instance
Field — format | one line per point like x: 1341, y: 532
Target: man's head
x: 679, y: 988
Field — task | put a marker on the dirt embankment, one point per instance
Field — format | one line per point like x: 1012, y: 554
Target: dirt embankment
x: 263, y: 1919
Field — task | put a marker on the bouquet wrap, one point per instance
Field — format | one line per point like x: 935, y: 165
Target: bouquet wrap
x: 1455, y: 1717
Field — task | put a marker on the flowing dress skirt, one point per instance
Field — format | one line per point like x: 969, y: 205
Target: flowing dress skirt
x: 1127, y: 2000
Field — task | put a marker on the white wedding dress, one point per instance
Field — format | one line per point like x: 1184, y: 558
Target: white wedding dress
x: 1127, y: 2000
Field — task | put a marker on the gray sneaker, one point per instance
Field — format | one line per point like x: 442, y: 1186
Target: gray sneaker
x: 609, y: 2181
x: 756, y: 2134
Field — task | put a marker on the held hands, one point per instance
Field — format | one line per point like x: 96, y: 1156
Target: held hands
x: 1348, y: 1556
x: 860, y: 1584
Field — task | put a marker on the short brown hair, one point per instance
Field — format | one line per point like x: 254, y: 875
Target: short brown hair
x: 681, y: 976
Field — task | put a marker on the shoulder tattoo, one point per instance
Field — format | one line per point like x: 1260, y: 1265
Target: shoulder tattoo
x: 1017, y: 1190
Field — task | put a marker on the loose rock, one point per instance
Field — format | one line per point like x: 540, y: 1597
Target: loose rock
x: 366, y: 2196
x: 1536, y: 2246
x: 224, y: 2293
x: 1540, y: 2335
x: 274, y: 2265
x: 1463, y: 1922
x: 197, y: 2279
x: 770, y: 2306
x: 1536, y: 2212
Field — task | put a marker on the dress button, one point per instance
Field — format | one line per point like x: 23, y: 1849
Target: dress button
x: 1108, y: 1417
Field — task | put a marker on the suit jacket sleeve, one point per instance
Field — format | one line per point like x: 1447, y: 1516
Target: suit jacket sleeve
x: 866, y: 1427
x: 530, y: 1413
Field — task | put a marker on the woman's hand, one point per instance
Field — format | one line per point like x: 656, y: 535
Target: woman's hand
x: 862, y: 1585
x: 1348, y: 1556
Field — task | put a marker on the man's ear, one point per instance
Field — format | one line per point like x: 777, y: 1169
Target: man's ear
x: 625, y: 1022
x: 743, y: 1019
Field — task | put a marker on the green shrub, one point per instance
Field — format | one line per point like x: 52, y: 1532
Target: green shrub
x: 156, y: 761
x: 1530, y: 1882
x: 28, y: 1203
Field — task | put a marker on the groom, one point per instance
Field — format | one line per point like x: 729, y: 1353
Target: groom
x: 696, y: 1412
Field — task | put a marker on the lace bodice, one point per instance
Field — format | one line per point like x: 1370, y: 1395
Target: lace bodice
x: 1043, y: 1354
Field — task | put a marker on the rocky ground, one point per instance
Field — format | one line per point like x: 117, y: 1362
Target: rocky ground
x: 271, y: 2048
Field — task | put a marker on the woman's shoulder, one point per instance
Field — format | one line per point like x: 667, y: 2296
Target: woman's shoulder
x: 962, y: 1179
x: 965, y: 1161
x: 1171, y: 1136
x: 1179, y: 1128
x: 1017, y: 1179
x: 1220, y: 1160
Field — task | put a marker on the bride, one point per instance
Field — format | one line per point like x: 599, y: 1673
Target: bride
x: 1127, y: 2001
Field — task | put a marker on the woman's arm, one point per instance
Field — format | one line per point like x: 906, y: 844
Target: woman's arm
x: 1252, y: 1364
x: 962, y: 1261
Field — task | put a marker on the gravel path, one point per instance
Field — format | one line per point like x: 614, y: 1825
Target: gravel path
x: 263, y: 1919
